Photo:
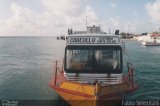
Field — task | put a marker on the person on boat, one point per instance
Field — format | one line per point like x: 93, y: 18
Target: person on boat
x: 81, y: 59
x: 104, y: 59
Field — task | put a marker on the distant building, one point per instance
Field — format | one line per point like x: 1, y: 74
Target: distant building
x: 126, y: 35
x: 144, y: 33
x: 155, y: 34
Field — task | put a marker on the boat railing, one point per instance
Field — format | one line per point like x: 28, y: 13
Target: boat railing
x: 130, y: 77
x: 58, y: 76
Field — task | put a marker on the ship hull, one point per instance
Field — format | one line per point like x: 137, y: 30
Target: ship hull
x: 91, y: 95
x: 150, y: 44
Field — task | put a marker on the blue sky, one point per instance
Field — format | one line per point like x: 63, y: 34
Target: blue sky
x: 52, y: 17
x: 123, y: 8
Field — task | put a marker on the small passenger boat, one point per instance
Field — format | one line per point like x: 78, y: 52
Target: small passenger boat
x: 92, y: 70
x: 154, y: 43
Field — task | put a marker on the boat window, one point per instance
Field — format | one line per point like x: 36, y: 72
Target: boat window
x: 107, y: 59
x: 95, y: 59
x: 79, y: 59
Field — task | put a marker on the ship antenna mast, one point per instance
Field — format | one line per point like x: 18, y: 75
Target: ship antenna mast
x: 86, y: 21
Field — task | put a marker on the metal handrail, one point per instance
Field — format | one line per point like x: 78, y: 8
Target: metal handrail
x: 58, y: 74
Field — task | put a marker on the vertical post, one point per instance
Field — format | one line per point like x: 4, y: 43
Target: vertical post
x: 132, y: 78
x: 97, y: 92
x: 129, y: 72
x: 86, y: 25
x: 86, y: 21
x: 55, y: 75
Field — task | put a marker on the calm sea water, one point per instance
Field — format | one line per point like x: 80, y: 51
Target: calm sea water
x: 26, y: 67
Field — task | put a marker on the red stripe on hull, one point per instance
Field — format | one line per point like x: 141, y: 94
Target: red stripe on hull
x: 72, y: 92
x: 108, y: 96
x: 117, y: 94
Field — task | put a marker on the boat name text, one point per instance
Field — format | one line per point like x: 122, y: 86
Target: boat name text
x: 94, y: 40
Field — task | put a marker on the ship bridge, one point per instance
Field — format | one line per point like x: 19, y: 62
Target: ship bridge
x: 93, y: 56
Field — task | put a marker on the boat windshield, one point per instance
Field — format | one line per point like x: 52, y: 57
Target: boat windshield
x: 93, y: 59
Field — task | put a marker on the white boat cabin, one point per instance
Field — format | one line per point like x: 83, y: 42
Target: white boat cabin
x: 93, y: 56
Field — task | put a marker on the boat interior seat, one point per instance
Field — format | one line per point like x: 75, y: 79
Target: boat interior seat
x: 109, y: 63
x: 77, y: 66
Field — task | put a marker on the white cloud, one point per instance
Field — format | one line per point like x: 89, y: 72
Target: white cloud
x: 113, y: 5
x: 127, y: 26
x: 58, y: 15
x: 153, y: 10
x: 19, y: 23
x: 114, y: 22
x: 130, y: 26
x: 55, y: 19
x: 138, y: 26
x: 135, y: 13
x: 92, y: 17
x: 62, y: 7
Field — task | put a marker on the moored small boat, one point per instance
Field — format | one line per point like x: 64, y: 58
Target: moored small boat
x: 150, y: 43
x: 92, y: 71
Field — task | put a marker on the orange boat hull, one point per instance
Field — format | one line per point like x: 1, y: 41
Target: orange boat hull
x: 92, y: 95
x: 95, y: 94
